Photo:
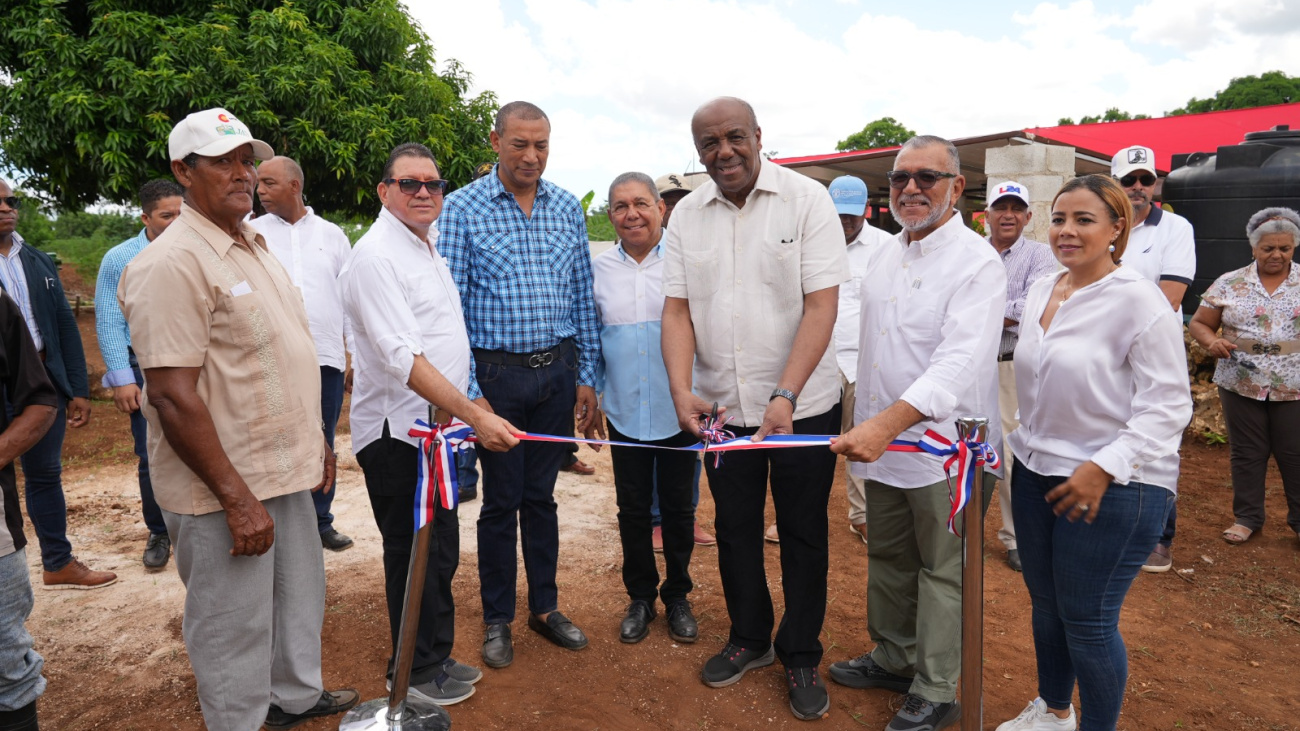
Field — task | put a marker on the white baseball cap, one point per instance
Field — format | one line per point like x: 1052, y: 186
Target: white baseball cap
x: 213, y: 132
x: 1133, y: 158
x: 1008, y: 188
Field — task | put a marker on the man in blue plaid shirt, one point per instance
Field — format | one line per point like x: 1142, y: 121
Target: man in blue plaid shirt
x: 517, y: 248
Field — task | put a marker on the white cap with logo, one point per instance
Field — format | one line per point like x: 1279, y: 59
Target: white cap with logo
x: 1133, y: 158
x: 1008, y: 188
x: 213, y: 132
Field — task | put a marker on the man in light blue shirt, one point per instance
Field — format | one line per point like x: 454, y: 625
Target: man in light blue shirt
x: 160, y: 201
x: 633, y: 386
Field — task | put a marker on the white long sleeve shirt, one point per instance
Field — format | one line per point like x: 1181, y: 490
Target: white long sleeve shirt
x: 1106, y: 383
x: 313, y: 250
x: 401, y: 302
x: 931, y: 324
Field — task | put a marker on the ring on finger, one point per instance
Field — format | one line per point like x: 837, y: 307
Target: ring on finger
x: 1083, y: 508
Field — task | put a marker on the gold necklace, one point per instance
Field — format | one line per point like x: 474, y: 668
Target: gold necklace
x: 1067, y: 292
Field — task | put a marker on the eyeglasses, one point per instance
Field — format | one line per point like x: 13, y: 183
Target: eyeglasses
x: 1147, y: 179
x: 12, y: 201
x: 412, y: 187
x: 925, y: 179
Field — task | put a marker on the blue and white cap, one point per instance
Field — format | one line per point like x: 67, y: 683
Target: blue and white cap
x: 850, y: 195
x: 1008, y: 188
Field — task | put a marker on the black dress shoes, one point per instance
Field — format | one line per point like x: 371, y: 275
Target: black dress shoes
x: 498, y: 648
x: 636, y: 625
x: 681, y: 623
x: 558, y: 629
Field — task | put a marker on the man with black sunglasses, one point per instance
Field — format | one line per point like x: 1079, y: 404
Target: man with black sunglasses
x: 32, y: 280
x: 1161, y: 247
x: 312, y: 251
x: 933, y: 303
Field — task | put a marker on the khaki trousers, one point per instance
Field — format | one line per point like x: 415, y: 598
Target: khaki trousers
x: 853, y: 484
x: 1008, y: 406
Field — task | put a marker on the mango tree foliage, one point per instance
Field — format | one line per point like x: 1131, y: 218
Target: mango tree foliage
x: 90, y: 90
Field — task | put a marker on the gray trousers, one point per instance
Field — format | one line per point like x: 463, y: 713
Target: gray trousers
x: 252, y: 623
x: 914, y: 585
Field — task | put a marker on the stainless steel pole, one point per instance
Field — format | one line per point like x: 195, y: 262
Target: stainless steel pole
x: 972, y: 590
x: 398, y: 712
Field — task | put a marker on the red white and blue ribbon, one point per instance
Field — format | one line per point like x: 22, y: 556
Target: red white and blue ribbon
x: 438, y: 465
x: 436, y: 475
x: 967, y: 455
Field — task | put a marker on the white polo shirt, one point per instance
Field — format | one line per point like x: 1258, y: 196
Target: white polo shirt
x: 744, y: 272
x: 313, y: 251
x: 1162, y: 248
x: 401, y: 302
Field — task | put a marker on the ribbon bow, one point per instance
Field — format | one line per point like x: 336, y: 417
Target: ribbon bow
x: 436, y: 474
x: 714, y: 431
x: 968, y: 455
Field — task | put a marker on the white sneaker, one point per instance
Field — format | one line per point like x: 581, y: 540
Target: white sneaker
x: 1036, y: 717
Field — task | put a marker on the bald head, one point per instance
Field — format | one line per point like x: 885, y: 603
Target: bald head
x: 279, y: 187
x: 727, y: 105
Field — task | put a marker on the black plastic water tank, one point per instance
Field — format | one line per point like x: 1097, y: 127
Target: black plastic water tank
x: 1219, y: 192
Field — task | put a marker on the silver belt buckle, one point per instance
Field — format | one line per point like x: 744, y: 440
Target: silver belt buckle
x: 541, y: 360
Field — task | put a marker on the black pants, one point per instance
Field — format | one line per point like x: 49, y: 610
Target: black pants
x: 636, y: 471
x: 801, y: 487
x: 1257, y: 429
x: 389, y: 466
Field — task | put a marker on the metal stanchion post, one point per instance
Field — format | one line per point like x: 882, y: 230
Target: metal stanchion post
x: 972, y: 590
x: 398, y: 712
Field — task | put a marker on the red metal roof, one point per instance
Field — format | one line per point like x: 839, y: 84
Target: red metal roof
x: 1167, y: 136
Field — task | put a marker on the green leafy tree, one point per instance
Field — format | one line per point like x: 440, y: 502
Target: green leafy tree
x: 1272, y: 87
x: 90, y: 90
x: 884, y: 132
x: 1114, y: 114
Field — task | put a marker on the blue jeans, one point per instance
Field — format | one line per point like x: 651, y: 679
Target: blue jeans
x: 331, y: 405
x: 20, y: 666
x: 655, y: 518
x: 153, y: 517
x: 43, y: 486
x: 467, y: 468
x: 1078, y: 575
x: 519, y: 485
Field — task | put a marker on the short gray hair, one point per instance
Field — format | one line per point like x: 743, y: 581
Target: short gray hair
x: 1273, y: 221
x: 526, y: 111
x: 633, y: 177
x: 920, y: 141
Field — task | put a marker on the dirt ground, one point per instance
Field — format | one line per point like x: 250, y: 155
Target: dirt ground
x: 1211, y: 646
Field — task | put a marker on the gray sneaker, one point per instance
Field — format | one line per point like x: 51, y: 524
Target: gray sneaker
x: 443, y: 690
x: 863, y: 672
x: 463, y: 673
x: 918, y: 714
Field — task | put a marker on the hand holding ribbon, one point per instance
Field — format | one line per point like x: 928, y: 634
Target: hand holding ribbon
x: 969, y: 456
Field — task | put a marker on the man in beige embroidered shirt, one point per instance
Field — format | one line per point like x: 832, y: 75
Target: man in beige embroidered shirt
x: 754, y: 260
x: 232, y: 396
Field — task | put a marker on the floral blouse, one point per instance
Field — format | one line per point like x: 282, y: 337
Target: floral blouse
x: 1250, y: 312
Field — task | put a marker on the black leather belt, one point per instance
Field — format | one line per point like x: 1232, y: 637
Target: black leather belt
x: 539, y: 359
x: 1007, y: 356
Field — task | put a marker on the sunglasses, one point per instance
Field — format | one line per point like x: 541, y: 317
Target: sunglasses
x: 412, y: 187
x: 12, y: 201
x: 1147, y: 179
x: 925, y: 179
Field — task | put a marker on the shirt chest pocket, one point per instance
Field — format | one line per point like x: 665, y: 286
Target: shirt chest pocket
x: 558, y: 255
x: 779, y: 267
x: 494, y: 258
x: 702, y: 275
x: 249, y: 323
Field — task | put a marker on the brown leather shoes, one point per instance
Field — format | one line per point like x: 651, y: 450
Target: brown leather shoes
x: 580, y: 468
x: 703, y: 537
x: 76, y: 575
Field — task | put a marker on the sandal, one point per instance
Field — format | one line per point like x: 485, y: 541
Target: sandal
x: 1237, y: 534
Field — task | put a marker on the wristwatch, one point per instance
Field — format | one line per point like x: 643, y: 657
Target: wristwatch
x: 786, y: 394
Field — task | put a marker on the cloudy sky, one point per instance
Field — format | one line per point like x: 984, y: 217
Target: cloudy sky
x: 620, y: 78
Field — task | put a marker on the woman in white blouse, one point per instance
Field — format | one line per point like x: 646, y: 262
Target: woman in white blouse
x: 1101, y: 374
x: 1259, y: 368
